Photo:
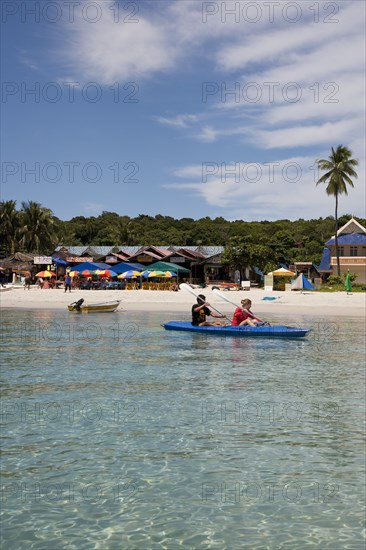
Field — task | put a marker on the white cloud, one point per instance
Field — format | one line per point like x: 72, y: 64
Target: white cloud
x: 282, y: 188
x: 108, y: 51
x: 280, y: 44
x: 92, y: 207
x: 326, y: 61
x: 179, y: 121
x: 296, y: 136
x: 207, y: 135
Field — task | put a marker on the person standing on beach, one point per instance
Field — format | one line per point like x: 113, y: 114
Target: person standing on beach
x: 68, y: 282
x: 200, y: 311
x: 27, y: 282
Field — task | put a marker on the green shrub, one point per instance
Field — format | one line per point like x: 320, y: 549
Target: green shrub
x: 352, y: 276
x: 335, y: 280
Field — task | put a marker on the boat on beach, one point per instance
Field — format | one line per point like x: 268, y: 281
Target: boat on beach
x: 102, y: 307
x: 266, y: 331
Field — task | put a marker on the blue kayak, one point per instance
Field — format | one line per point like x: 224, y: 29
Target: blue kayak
x: 278, y: 331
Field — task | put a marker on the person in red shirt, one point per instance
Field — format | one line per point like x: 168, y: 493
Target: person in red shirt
x: 243, y: 316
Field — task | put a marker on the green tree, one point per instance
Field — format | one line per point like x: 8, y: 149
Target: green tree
x: 339, y: 171
x: 37, y: 227
x: 242, y: 252
x: 9, y: 226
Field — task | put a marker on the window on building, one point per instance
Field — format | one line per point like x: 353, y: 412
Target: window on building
x: 353, y: 251
x: 364, y: 251
x: 341, y: 251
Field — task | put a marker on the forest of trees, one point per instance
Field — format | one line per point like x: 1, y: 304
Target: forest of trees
x: 34, y: 228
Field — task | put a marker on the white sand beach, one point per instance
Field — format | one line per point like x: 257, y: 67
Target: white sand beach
x: 290, y: 303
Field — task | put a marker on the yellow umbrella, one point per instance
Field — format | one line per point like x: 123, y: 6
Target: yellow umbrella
x: 129, y: 275
x: 151, y: 274
x: 45, y: 274
x: 169, y: 274
x: 73, y: 273
x: 282, y: 273
x: 106, y: 273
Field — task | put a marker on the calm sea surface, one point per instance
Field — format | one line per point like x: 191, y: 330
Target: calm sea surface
x: 120, y: 435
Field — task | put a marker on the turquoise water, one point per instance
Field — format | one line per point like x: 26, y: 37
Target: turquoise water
x: 120, y: 435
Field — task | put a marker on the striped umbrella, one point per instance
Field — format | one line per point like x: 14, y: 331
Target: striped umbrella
x: 129, y: 275
x: 45, y: 274
x: 85, y: 273
x: 148, y: 274
x: 169, y: 274
x: 106, y: 273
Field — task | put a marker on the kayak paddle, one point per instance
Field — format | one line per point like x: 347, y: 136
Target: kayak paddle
x: 184, y: 286
x: 220, y: 295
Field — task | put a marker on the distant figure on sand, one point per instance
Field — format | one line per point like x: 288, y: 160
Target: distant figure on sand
x: 68, y: 283
x: 243, y: 316
x: 200, y: 311
x: 27, y: 282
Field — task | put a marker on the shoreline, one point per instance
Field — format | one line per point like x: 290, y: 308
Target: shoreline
x: 290, y: 303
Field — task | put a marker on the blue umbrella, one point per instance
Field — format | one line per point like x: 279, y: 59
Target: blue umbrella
x: 129, y: 275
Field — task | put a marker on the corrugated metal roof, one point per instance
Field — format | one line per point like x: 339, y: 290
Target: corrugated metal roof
x: 206, y: 251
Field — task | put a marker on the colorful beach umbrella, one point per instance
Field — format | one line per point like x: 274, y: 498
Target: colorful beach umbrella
x: 148, y: 274
x: 45, y: 274
x: 169, y: 274
x: 129, y: 275
x: 74, y: 273
x: 106, y: 273
x: 85, y: 273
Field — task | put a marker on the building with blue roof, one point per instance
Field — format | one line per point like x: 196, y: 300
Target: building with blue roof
x: 352, y: 251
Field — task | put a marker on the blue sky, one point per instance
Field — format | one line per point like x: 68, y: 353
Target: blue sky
x: 181, y: 108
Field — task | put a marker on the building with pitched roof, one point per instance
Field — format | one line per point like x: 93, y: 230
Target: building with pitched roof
x: 352, y: 251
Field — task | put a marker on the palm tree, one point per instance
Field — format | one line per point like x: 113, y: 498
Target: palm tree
x: 339, y: 168
x: 38, y: 232
x: 10, y: 224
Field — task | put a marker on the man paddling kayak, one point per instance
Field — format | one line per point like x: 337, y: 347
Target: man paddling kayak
x: 200, y: 311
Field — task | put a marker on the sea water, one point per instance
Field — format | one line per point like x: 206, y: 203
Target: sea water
x: 120, y: 435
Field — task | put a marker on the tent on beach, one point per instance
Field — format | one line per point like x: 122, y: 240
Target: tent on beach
x: 168, y: 266
x: 282, y: 272
x: 124, y: 266
x: 92, y: 266
x: 301, y: 283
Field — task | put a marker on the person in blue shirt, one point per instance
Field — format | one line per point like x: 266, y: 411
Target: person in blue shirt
x: 68, y: 282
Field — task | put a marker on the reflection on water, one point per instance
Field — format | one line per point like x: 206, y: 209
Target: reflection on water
x: 117, y: 434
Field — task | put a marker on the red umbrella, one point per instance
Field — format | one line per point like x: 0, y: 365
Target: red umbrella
x: 87, y: 273
x: 46, y: 273
x: 106, y: 273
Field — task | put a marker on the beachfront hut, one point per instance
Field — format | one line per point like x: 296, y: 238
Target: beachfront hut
x: 17, y: 265
x: 302, y: 283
